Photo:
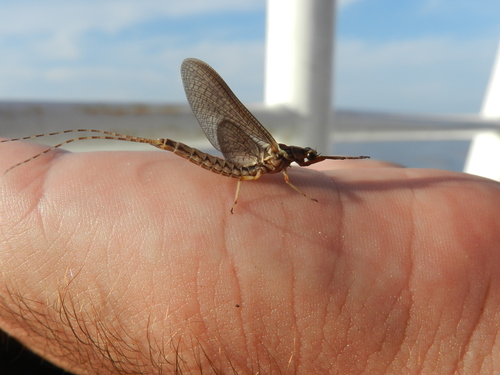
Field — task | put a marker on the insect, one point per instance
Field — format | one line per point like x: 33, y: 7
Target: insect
x: 249, y: 150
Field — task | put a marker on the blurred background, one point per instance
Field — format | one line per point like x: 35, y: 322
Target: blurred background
x: 429, y: 56
x: 410, y: 79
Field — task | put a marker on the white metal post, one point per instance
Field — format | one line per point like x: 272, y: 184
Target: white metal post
x: 484, y: 151
x: 299, y: 63
x: 491, y: 102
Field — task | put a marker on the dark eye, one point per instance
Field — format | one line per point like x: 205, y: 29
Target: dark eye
x: 311, y: 155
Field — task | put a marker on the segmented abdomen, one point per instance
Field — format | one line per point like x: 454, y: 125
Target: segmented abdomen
x: 212, y: 163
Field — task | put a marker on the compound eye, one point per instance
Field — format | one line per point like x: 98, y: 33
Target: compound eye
x: 311, y: 155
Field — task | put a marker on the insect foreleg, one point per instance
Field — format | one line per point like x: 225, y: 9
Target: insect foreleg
x: 287, y: 180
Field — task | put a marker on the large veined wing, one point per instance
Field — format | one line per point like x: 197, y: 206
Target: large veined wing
x: 227, y: 123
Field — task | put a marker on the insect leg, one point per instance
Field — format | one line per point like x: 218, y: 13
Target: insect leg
x: 236, y: 195
x: 287, y: 180
x: 251, y: 177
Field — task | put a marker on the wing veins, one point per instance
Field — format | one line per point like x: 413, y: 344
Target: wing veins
x: 213, y: 104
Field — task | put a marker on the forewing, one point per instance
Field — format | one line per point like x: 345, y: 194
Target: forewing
x: 214, y: 104
x: 238, y: 146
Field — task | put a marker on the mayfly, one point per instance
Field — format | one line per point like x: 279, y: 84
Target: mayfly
x: 249, y: 150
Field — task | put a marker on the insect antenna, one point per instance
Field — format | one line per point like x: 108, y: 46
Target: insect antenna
x: 343, y: 157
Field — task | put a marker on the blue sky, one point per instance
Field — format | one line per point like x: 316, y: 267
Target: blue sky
x: 427, y: 56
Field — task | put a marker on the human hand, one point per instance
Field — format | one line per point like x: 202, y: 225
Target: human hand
x: 132, y: 262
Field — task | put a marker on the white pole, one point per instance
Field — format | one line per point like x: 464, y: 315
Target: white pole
x: 491, y: 102
x: 483, y: 156
x: 279, y: 45
x: 299, y: 64
x: 484, y: 150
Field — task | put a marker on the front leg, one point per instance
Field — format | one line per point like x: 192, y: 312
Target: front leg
x: 287, y: 180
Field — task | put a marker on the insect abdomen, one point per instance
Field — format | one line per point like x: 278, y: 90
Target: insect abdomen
x: 212, y: 163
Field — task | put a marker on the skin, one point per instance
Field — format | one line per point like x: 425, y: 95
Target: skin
x: 131, y: 261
